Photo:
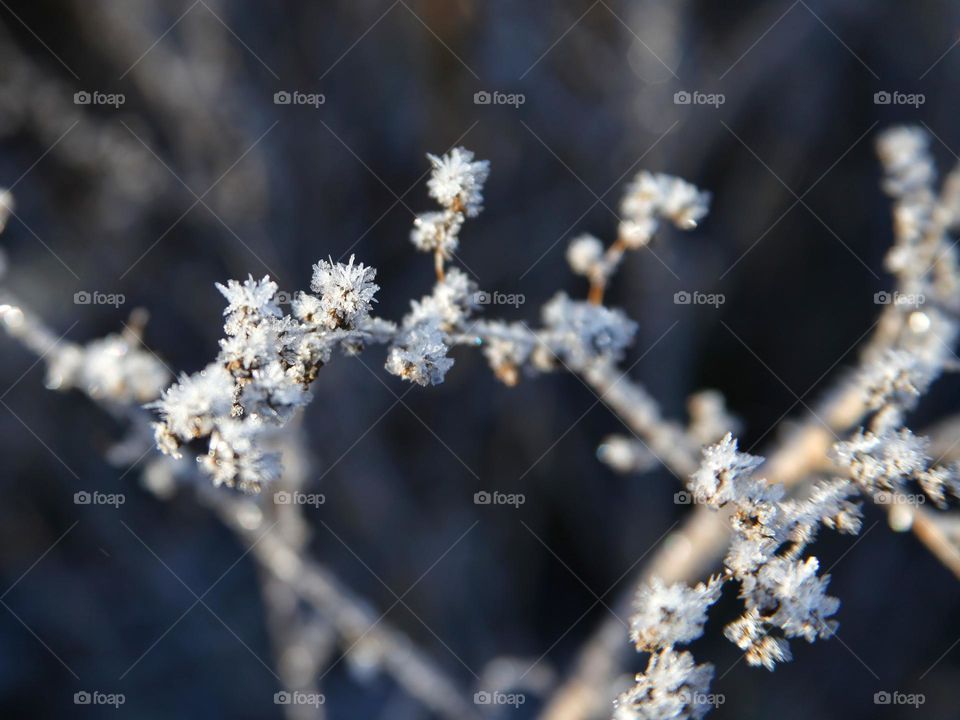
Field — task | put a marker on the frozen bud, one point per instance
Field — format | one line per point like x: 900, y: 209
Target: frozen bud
x: 625, y: 454
x: 456, y: 181
x: 252, y: 297
x: 670, y: 614
x: 673, y: 686
x: 346, y: 292
x: 420, y: 355
x: 584, y: 253
x: 437, y: 232
x: 651, y: 196
x: 724, y: 473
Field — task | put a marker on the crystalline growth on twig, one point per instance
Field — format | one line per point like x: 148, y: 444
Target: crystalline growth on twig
x: 724, y: 473
x: 437, y: 232
x: 651, y: 196
x: 749, y: 633
x: 673, y: 687
x: 111, y: 369
x: 584, y: 255
x: 420, y: 354
x: 797, y: 597
x: 346, y: 291
x: 671, y: 614
x: 190, y: 407
x: 905, y: 154
x: 456, y: 181
x: 885, y: 461
x: 583, y: 332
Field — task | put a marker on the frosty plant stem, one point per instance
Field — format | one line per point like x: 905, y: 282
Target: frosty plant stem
x: 235, y: 417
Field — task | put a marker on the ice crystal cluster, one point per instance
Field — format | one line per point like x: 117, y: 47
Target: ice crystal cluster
x: 456, y: 183
x: 885, y: 458
x: 230, y: 414
x: 115, y: 369
x: 650, y: 198
x: 267, y: 361
x: 229, y: 411
x: 783, y: 595
x: 783, y: 592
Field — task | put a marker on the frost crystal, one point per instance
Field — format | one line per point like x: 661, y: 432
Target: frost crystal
x: 111, y: 369
x: 797, y: 595
x: 437, y: 232
x: 748, y: 634
x: 723, y: 473
x: 670, y: 614
x: 420, y: 354
x: 908, y: 163
x: 884, y: 461
x: 650, y: 196
x: 189, y: 408
x: 898, y: 377
x: 266, y: 364
x: 585, y: 332
x: 456, y: 181
x: 673, y: 687
x: 584, y: 254
x: 236, y: 458
x: 453, y: 301
x: 346, y: 292
x: 253, y: 297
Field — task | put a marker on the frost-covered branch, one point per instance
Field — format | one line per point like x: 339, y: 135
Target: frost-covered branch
x: 234, y: 415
